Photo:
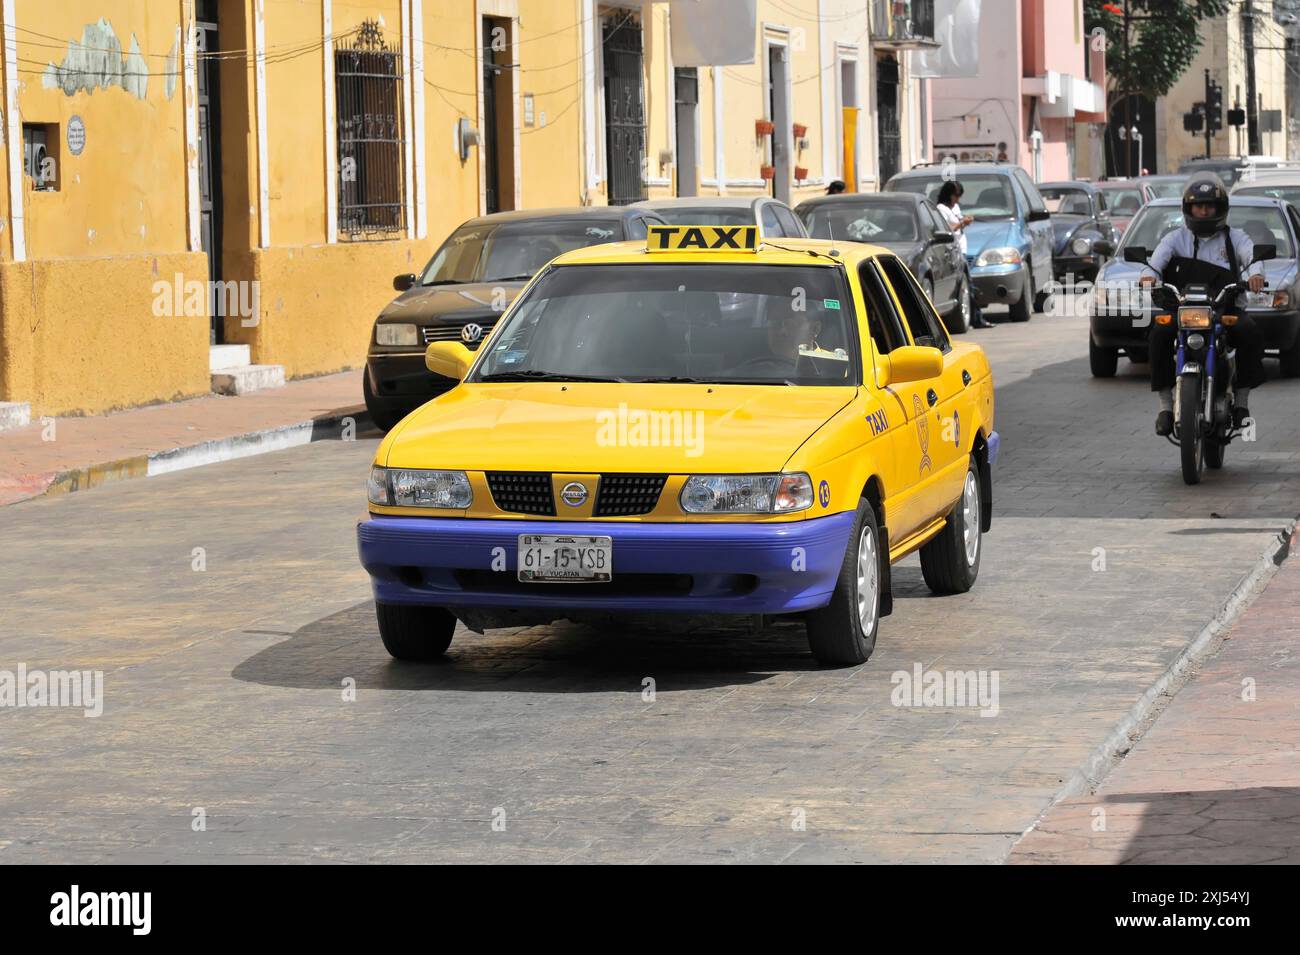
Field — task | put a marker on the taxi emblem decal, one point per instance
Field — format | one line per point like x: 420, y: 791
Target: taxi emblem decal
x: 824, y: 494
x: 471, y: 333
x: 574, y: 494
x: 922, y: 434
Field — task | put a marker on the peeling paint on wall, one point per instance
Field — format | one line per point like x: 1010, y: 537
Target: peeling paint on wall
x: 169, y: 80
x: 96, y: 62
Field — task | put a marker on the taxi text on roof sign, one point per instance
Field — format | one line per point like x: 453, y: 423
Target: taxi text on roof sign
x: 702, y: 238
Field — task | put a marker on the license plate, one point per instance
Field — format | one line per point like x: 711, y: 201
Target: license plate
x: 548, y: 557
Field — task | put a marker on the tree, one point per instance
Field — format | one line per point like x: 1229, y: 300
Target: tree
x: 1163, y: 38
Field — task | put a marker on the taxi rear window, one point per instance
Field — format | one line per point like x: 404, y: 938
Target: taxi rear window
x: 717, y: 323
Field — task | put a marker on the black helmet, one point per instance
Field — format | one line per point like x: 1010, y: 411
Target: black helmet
x: 1205, y: 187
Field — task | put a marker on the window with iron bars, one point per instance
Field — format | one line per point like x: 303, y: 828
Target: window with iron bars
x: 368, y: 110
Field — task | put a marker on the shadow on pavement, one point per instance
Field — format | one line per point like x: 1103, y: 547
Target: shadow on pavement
x: 1218, y: 826
x: 561, y: 658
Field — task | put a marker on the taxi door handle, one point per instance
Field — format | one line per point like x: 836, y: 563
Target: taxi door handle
x: 965, y: 377
x: 931, y: 397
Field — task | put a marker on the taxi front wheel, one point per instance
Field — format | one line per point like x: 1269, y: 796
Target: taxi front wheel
x: 843, y: 633
x: 950, y: 562
x: 415, y: 633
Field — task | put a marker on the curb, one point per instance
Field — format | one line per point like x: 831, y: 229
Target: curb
x: 322, y: 428
x: 1129, y: 729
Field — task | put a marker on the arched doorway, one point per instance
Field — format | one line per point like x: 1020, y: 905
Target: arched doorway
x: 1124, y: 156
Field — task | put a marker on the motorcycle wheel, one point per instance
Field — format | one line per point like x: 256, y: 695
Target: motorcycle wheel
x: 1191, y: 444
x: 1214, y: 450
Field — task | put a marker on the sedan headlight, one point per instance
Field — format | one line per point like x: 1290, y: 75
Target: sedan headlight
x: 1081, y: 246
x: 746, y: 493
x: 410, y: 488
x: 390, y: 333
x: 999, y: 256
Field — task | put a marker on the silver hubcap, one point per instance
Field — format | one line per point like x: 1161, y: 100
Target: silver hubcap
x: 868, y: 579
x: 970, y: 518
x: 965, y: 306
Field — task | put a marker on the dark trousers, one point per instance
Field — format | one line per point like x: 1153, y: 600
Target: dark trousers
x: 1244, y: 336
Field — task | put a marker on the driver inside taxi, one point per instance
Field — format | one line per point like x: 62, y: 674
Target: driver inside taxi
x: 789, y: 331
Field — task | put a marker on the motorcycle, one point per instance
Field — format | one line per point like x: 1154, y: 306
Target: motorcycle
x: 1205, y: 369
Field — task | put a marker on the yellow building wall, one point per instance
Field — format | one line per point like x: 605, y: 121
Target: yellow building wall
x: 550, y: 68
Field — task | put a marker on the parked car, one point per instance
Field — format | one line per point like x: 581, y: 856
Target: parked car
x: 1120, y: 319
x: 464, y: 289
x: 912, y: 228
x: 1085, y: 237
x: 1009, y: 245
x: 1123, y: 199
x: 1162, y: 187
x: 773, y: 217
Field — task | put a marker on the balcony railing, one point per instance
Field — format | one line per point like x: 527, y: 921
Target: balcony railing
x: 903, y: 24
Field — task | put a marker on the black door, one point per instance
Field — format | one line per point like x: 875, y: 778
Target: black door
x: 887, y: 121
x: 490, y: 70
x: 210, y: 153
x: 624, y: 109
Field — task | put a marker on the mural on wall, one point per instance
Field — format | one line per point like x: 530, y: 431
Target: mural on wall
x: 97, y: 62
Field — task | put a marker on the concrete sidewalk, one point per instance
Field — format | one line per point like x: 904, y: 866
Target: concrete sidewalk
x: 59, y: 455
x: 1216, y: 778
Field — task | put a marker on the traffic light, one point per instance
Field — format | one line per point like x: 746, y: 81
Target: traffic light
x: 1193, y: 120
x: 1214, y: 108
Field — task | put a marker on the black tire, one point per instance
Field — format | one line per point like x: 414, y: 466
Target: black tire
x: 385, y: 419
x: 1191, y: 444
x: 1139, y: 356
x: 1214, y: 451
x: 1103, y: 362
x: 415, y: 633
x: 835, y: 633
x: 1022, y: 310
x: 1043, y: 299
x: 1290, y: 361
x: 958, y: 320
x: 946, y: 560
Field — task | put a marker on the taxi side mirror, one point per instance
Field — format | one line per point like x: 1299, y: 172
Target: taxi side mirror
x: 449, y: 359
x: 912, y: 363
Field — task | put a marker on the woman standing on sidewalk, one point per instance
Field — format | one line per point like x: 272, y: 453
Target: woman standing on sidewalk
x: 949, y: 193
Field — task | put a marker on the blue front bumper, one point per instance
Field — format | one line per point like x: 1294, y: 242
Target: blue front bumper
x: 671, y: 568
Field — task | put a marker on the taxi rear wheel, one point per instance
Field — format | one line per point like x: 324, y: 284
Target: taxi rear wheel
x: 415, y: 633
x: 950, y: 562
x: 843, y: 633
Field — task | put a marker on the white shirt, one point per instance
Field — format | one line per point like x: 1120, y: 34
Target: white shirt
x: 1182, y: 242
x: 952, y: 215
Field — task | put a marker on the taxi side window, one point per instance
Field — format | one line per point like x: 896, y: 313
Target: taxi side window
x: 882, y: 321
x: 771, y: 227
x: 924, y: 324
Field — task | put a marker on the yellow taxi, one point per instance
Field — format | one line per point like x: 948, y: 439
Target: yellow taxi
x: 704, y: 422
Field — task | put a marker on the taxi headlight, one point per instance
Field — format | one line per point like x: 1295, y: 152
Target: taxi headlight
x: 1002, y: 255
x: 411, y: 488
x: 746, y: 493
x: 1080, y: 246
x: 388, y: 333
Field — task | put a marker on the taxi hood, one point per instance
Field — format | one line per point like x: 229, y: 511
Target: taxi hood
x: 596, y: 427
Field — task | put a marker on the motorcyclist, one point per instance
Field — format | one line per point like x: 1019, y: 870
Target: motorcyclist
x: 1205, y: 251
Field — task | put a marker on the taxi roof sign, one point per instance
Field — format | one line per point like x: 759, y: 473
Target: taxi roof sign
x: 702, y: 238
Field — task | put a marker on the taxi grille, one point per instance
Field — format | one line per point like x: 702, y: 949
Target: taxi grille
x: 624, y: 495
x: 522, y: 492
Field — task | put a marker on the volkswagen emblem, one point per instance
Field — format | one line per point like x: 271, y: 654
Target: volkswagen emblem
x: 574, y: 494
x: 471, y: 333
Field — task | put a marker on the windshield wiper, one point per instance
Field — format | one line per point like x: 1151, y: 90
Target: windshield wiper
x: 672, y: 380
x: 442, y: 282
x: 535, y: 375
x: 509, y: 278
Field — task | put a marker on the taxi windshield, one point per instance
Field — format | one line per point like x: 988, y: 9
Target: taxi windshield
x: 516, y: 250
x: 716, y: 323
x: 1264, y: 225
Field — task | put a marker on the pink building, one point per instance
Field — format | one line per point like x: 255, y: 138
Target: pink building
x: 1038, y: 75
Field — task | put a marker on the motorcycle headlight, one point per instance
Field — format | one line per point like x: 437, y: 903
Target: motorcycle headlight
x: 1197, y: 316
x: 388, y: 333
x: 999, y: 256
x: 746, y: 493
x: 1080, y: 246
x: 412, y: 488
